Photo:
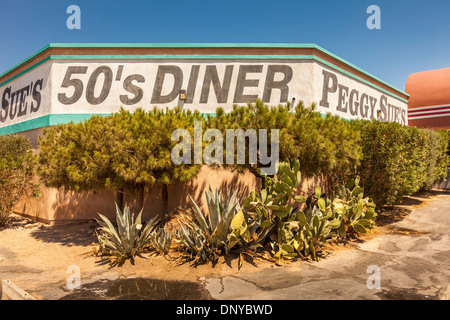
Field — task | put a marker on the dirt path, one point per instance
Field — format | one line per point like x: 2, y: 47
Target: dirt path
x: 38, y: 257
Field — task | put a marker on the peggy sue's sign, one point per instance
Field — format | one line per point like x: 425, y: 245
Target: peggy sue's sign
x: 103, y: 87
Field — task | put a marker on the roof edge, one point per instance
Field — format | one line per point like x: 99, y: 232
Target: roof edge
x: 198, y: 45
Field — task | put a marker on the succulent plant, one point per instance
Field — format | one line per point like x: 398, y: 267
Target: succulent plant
x: 129, y: 239
x: 161, y: 240
x: 352, y: 213
x: 274, y: 214
x: 303, y: 235
x: 209, y: 237
x: 295, y: 233
x: 247, y: 232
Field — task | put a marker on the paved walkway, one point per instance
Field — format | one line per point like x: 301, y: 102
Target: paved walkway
x: 412, y: 261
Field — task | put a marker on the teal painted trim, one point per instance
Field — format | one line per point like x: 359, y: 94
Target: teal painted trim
x: 357, y: 68
x: 37, y: 123
x: 334, y: 115
x: 183, y: 57
x: 56, y: 119
x: 45, y: 121
x: 183, y: 45
x: 205, y: 115
x: 25, y: 71
x: 26, y: 60
x: 359, y: 79
x: 227, y: 57
x: 199, y: 45
x: 159, y: 45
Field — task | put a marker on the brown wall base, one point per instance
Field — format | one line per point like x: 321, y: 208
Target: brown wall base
x: 61, y: 207
x: 57, y: 206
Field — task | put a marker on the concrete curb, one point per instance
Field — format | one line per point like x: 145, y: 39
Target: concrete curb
x: 13, y: 292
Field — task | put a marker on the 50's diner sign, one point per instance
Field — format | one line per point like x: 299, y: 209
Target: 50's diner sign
x: 87, y: 87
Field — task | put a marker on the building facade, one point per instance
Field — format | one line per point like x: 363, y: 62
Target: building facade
x: 70, y: 82
x: 429, y: 103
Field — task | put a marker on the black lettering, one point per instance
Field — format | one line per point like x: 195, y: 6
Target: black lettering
x: 5, y: 104
x: 14, y: 104
x: 77, y: 84
x: 281, y: 85
x: 160, y: 76
x: 221, y: 91
x: 36, y: 96
x: 119, y: 73
x: 383, y: 103
x: 353, y: 103
x: 243, y: 82
x: 395, y: 113
x: 190, y: 92
x: 373, y: 103
x: 327, y: 87
x: 389, y: 113
x: 363, y: 106
x: 136, y: 91
x: 342, y: 101
x: 106, y: 88
x: 24, y: 92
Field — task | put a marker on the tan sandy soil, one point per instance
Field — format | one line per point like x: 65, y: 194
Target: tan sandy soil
x: 36, y: 256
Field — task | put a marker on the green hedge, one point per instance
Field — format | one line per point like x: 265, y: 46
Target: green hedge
x: 325, y: 145
x: 124, y: 152
x: 399, y: 161
x: 392, y: 160
x: 17, y: 164
x: 445, y: 136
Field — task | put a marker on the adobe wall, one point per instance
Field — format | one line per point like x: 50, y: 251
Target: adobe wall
x: 56, y: 206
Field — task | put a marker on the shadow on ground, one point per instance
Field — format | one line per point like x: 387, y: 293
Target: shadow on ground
x: 389, y: 215
x: 404, y: 294
x: 83, y: 234
x: 67, y: 235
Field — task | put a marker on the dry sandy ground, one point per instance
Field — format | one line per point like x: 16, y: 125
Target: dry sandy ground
x: 38, y: 257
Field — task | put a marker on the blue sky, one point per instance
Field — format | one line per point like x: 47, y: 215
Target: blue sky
x: 414, y: 35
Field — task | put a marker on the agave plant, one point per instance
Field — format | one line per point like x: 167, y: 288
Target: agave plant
x: 206, y: 239
x: 128, y: 239
x: 161, y: 240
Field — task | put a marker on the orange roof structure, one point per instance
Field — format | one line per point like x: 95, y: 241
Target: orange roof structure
x: 429, y: 99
